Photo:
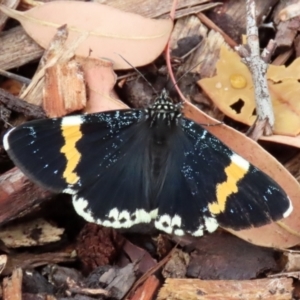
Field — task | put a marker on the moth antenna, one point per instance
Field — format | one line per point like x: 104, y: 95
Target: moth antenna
x: 176, y: 82
x: 140, y: 73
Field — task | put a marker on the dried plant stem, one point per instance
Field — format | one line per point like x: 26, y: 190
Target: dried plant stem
x: 258, y: 68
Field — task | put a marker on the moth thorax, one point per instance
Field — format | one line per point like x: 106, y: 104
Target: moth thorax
x: 163, y: 111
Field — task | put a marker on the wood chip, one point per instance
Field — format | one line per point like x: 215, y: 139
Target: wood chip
x: 12, y: 287
x: 190, y: 289
x: 33, y: 233
x: 18, y: 195
x: 17, y: 49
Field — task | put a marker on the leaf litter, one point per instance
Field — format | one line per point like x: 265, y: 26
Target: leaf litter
x: 105, y: 98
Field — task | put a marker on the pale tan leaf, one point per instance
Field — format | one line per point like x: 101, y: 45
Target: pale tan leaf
x: 111, y: 31
x: 232, y: 91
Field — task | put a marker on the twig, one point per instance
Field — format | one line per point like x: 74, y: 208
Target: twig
x: 258, y: 67
x: 206, y: 21
x: 19, y: 78
x: 19, y: 105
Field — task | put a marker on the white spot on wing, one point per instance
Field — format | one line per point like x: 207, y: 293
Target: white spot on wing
x: 69, y: 190
x: 179, y: 232
x: 166, y: 223
x: 198, y: 232
x: 114, y: 218
x: 241, y: 162
x: 211, y: 224
x: 72, y: 120
x: 80, y: 206
x: 123, y: 219
x: 154, y: 213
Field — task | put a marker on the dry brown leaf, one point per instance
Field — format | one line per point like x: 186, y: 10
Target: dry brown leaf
x: 233, y: 92
x: 271, y: 235
x: 111, y: 31
x: 225, y: 257
x: 136, y: 254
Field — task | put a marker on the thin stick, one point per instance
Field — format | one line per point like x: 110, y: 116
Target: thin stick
x: 19, y: 78
x: 258, y: 68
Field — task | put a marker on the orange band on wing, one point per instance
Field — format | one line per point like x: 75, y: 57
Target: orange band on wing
x: 234, y: 173
x: 72, y: 135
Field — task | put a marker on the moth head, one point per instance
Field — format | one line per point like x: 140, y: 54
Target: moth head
x: 163, y: 109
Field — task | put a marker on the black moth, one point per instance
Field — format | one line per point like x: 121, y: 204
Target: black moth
x: 134, y: 166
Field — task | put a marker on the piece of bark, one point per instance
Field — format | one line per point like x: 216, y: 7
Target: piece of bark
x: 200, y: 60
x: 286, y: 30
x: 148, y: 290
x: 12, y: 287
x: 292, y: 261
x: 19, y: 196
x: 33, y: 260
x: 297, y: 45
x: 204, y: 57
x: 286, y: 33
x: 35, y: 232
x: 278, y: 13
x: 176, y: 265
x: 33, y: 283
x: 16, y: 104
x: 60, y: 277
x: 231, y: 16
x: 29, y: 296
x: 118, y: 281
x: 211, y: 25
x: 188, y: 289
x: 139, y: 255
x: 150, y: 8
x: 64, y: 90
x: 224, y: 256
x: 103, y: 245
x: 293, y: 166
x: 3, y: 262
x: 163, y: 245
x: 38, y: 92
x: 17, y: 49
x: 73, y: 288
x: 184, y: 12
x: 8, y: 3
